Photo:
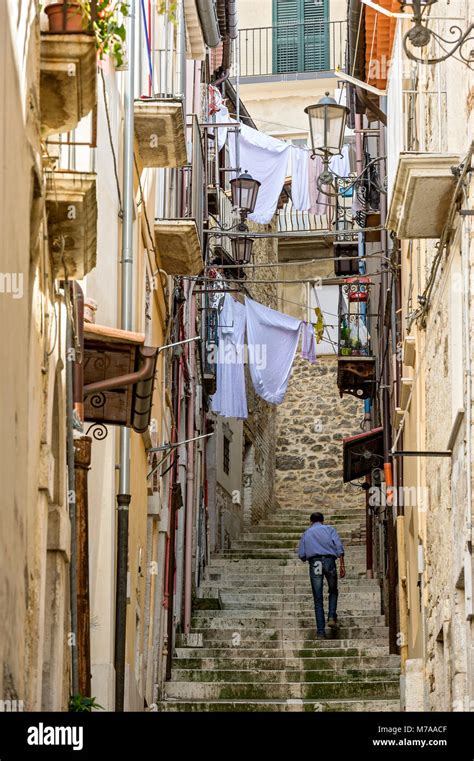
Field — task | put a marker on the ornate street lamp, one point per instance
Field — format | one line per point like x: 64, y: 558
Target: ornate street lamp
x: 419, y: 36
x: 244, y: 190
x: 242, y: 249
x: 327, y: 123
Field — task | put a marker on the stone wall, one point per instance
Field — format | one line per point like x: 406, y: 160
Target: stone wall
x: 311, y: 424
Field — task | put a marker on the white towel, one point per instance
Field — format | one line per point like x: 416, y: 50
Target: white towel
x: 273, y: 337
x: 299, y: 179
x: 266, y: 159
x: 340, y: 165
x: 230, y: 399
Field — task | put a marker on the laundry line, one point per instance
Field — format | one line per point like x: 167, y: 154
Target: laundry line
x: 376, y: 254
x: 338, y: 234
x: 311, y: 280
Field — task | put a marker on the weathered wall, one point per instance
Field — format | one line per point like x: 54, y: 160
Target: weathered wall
x: 34, y: 540
x: 311, y: 424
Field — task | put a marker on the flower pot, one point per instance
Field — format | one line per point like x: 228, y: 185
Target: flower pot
x: 73, y: 21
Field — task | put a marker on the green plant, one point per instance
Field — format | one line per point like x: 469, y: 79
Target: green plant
x: 169, y: 9
x: 81, y: 704
x: 108, y: 27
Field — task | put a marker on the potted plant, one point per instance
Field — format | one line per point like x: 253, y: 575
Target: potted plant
x: 108, y: 27
x: 106, y: 23
x: 65, y: 17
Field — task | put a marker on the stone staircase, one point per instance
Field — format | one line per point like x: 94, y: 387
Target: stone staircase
x: 258, y: 652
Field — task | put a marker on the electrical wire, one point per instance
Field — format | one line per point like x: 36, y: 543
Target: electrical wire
x: 109, y: 129
x: 150, y: 236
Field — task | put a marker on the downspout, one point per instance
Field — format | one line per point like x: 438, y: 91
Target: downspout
x: 369, y: 565
x: 190, y: 476
x: 387, y: 438
x: 71, y: 478
x: 82, y: 461
x: 174, y: 491
x: 126, y: 262
x: 209, y: 22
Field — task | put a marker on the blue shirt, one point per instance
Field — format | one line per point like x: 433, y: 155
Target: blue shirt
x: 320, y: 539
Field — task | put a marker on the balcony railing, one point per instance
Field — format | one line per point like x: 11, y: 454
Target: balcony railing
x: 294, y: 48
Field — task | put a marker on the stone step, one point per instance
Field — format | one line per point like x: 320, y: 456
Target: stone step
x: 284, y: 676
x: 343, y: 689
x: 345, y: 612
x: 339, y: 663
x: 249, y: 544
x: 330, y: 648
x: 275, y: 581
x: 277, y: 619
x: 282, y: 706
x: 304, y: 633
x: 272, y: 601
x: 231, y: 594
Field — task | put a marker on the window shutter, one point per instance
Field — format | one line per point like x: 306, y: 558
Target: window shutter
x: 300, y: 38
x: 286, y: 36
x: 316, y: 36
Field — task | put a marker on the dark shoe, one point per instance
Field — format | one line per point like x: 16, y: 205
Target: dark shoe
x: 321, y: 636
x: 332, y: 623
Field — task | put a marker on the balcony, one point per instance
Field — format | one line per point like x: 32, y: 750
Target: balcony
x: 71, y: 207
x: 160, y: 132
x: 422, y: 193
x: 179, y: 232
x: 68, y: 80
x: 292, y: 51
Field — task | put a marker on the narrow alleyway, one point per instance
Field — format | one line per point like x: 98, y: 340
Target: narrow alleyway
x: 259, y: 652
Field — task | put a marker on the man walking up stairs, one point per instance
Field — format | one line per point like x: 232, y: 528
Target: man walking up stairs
x: 259, y: 652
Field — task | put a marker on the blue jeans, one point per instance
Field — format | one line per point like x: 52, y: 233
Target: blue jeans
x: 320, y: 568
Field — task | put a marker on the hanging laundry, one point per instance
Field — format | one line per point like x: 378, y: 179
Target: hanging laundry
x: 218, y: 113
x: 340, y: 165
x: 272, y: 338
x: 308, y: 342
x: 300, y: 181
x: 267, y: 160
x: 318, y: 201
x: 230, y: 399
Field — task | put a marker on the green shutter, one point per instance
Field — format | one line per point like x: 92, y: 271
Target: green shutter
x: 300, y: 38
x: 285, y: 35
x: 316, y: 48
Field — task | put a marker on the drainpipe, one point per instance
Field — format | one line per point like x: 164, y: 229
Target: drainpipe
x: 232, y: 20
x: 387, y: 438
x: 209, y: 22
x: 126, y: 262
x: 71, y: 478
x: 188, y: 552
x: 174, y: 492
x: 82, y: 461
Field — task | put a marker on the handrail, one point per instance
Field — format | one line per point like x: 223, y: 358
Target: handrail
x: 293, y: 47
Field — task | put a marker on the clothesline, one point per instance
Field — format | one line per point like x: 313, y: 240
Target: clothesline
x: 269, y: 159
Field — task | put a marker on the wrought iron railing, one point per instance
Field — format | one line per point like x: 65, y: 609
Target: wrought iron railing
x: 292, y: 48
x: 182, y: 192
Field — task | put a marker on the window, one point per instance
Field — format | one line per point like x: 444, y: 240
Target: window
x: 226, y: 456
x: 300, y: 36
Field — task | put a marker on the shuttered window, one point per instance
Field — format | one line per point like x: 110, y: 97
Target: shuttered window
x: 300, y: 37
